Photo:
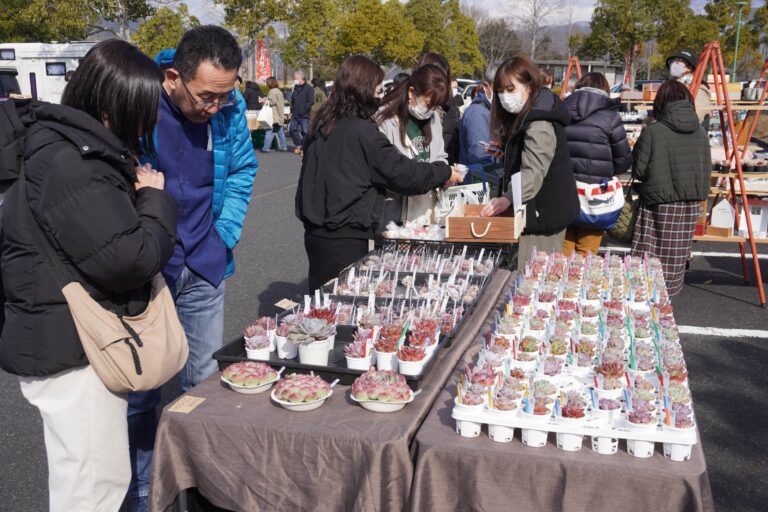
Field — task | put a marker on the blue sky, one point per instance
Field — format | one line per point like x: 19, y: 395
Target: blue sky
x: 210, y: 13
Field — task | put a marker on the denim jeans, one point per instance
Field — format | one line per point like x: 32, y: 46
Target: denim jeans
x: 201, y: 310
x: 280, y: 139
x: 298, y: 129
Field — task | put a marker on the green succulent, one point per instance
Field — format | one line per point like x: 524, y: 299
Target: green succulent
x: 310, y: 330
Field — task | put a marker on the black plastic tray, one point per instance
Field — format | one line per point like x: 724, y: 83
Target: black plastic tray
x: 234, y: 352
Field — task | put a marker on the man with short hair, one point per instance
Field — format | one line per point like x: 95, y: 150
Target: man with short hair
x: 204, y: 149
x: 301, y: 105
x: 476, y: 124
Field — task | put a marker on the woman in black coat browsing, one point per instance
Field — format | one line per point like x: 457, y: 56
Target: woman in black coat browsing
x: 347, y: 168
x: 112, y: 225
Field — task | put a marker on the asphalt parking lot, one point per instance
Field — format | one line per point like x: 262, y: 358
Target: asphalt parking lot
x: 724, y: 334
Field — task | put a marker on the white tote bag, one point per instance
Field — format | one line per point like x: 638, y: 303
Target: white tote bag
x: 600, y: 203
x: 265, y: 119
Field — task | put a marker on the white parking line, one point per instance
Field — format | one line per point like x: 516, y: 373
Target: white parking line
x: 724, y: 333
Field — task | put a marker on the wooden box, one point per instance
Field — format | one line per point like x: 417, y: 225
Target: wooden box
x: 715, y: 231
x: 466, y: 225
x: 649, y: 95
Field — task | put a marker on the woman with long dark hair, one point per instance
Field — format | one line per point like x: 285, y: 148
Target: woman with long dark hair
x: 110, y: 223
x: 347, y: 168
x: 449, y: 114
x: 529, y: 122
x: 673, y: 164
x: 409, y: 119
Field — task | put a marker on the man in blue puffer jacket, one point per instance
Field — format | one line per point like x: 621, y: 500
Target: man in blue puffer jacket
x: 204, y: 149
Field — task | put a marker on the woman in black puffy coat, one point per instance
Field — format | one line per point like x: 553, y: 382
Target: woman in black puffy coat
x: 113, y: 227
x: 599, y: 148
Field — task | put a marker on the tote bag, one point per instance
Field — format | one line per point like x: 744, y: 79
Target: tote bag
x: 135, y: 353
x: 600, y: 203
x: 624, y: 229
x: 265, y: 117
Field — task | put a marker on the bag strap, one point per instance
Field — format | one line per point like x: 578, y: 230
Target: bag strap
x: 61, y: 273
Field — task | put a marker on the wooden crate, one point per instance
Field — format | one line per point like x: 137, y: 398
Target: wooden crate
x: 466, y: 225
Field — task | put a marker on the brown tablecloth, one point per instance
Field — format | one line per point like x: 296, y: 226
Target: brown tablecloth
x: 244, y: 452
x: 478, y: 474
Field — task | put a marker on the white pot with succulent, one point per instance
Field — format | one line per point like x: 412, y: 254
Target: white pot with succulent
x: 312, y: 335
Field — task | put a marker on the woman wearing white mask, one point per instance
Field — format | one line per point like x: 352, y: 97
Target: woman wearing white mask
x: 529, y: 122
x: 409, y: 119
x: 681, y: 67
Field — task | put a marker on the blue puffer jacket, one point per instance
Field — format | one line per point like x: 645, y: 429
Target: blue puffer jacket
x: 596, y: 137
x: 234, y: 168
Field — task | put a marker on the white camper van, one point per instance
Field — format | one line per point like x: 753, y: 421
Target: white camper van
x: 38, y: 69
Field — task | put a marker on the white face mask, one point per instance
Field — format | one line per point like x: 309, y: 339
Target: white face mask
x: 295, y: 82
x: 676, y: 70
x: 456, y: 92
x: 512, y: 102
x: 420, y: 111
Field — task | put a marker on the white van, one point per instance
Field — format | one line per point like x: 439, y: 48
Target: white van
x: 38, y: 69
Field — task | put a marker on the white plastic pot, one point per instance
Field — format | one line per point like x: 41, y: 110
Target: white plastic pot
x: 286, y: 349
x: 358, y: 363
x: 605, y: 445
x: 534, y: 438
x: 411, y: 367
x: 501, y: 434
x: 261, y: 354
x: 640, y: 449
x: 331, y: 343
x: 272, y: 335
x: 468, y: 428
x: 315, y: 353
x: 386, y: 361
x: 677, y: 452
x: 569, y: 442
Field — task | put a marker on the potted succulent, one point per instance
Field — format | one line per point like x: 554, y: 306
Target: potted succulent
x: 286, y: 349
x: 610, y: 375
x: 358, y: 353
x: 572, y: 411
x: 678, y: 393
x: 589, y: 311
x: 538, y: 410
x: 606, y: 410
x: 386, y: 353
x: 410, y: 360
x: 468, y: 400
x: 258, y: 347
x: 312, y: 335
x: 382, y: 391
x: 551, y: 366
x: 588, y: 331
x: 642, y: 415
x: 299, y: 392
x: 644, y: 390
x: 482, y: 375
x: 558, y: 347
x: 529, y: 344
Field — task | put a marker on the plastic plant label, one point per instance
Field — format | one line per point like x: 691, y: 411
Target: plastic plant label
x: 186, y: 404
x: 318, y: 304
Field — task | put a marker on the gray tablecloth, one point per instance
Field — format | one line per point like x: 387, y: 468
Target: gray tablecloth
x: 245, y: 453
x: 478, y: 474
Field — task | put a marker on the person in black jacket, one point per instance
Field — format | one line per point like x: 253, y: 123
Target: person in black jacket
x: 529, y: 121
x: 113, y: 226
x: 253, y: 96
x: 301, y: 107
x: 347, y: 168
x: 599, y: 149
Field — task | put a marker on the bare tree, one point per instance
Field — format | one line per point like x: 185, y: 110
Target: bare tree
x: 532, y: 15
x: 497, y: 40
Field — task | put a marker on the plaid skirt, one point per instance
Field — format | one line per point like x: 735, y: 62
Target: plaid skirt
x: 665, y: 231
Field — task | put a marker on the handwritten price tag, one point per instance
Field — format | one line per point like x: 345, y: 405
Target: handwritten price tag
x: 186, y: 404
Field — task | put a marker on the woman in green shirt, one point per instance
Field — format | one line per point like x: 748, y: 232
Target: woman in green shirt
x: 410, y: 118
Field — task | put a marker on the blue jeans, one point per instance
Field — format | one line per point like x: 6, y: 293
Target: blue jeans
x: 280, y: 140
x: 298, y: 129
x: 201, y: 310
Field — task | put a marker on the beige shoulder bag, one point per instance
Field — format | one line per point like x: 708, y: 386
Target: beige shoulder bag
x: 128, y: 353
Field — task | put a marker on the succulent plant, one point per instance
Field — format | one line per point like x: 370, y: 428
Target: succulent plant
x: 644, y: 390
x: 552, y: 366
x: 357, y: 349
x: 505, y: 402
x: 267, y: 322
x: 298, y: 388
x: 411, y: 354
x: 501, y: 341
x: 521, y: 300
x: 589, y: 311
x: 283, y: 329
x: 677, y: 373
x: 253, y: 331
x: 642, y: 332
x: 543, y: 388
x: 606, y: 404
x: 391, y: 331
x: 529, y: 344
x: 517, y: 373
x: 575, y: 405
x: 421, y: 338
x: 470, y: 398
x: 547, y: 297
x: 588, y: 329
x: 258, y: 342
x: 678, y: 393
x: 327, y: 314
x: 249, y: 374
x: 483, y: 375
x: 641, y: 413
x: 524, y: 357
x: 428, y: 325
x: 387, y: 345
x: 517, y: 384
x: 384, y: 386
x: 584, y: 360
x: 586, y: 347
x: 683, y: 415
x: 310, y: 330
x: 493, y: 359
x: 541, y: 406
x: 558, y: 346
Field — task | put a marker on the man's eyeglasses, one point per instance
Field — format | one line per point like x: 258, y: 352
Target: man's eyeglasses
x: 206, y: 104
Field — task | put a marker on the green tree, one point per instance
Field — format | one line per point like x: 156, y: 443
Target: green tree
x: 164, y: 29
x: 44, y: 20
x: 381, y: 31
x: 463, y: 54
x: 724, y: 14
x: 251, y: 19
x: 312, y: 25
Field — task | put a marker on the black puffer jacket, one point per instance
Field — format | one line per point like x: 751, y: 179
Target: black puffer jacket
x: 596, y: 137
x: 345, y: 176
x: 80, y: 187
